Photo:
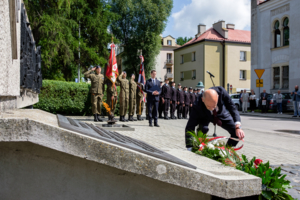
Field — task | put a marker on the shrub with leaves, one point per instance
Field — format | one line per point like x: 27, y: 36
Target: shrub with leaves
x: 274, y: 185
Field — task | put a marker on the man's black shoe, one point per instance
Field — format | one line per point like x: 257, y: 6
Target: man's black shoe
x: 139, y: 118
x: 130, y: 118
x: 147, y: 117
x: 95, y: 118
x: 156, y: 125
x: 160, y: 117
x: 294, y: 116
x: 98, y: 117
x: 166, y: 118
x: 121, y: 119
x: 150, y: 125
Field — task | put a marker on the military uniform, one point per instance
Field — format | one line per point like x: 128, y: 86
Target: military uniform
x: 124, y: 96
x: 166, y: 95
x: 132, y: 99
x: 180, y: 100
x: 174, y: 102
x: 139, y: 98
x: 186, y: 104
x: 97, y: 91
x: 111, y: 92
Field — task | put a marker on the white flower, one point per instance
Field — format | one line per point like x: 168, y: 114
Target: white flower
x: 210, y: 146
x: 222, y: 153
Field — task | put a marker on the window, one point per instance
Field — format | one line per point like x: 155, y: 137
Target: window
x: 276, y: 78
x: 181, y: 76
x: 182, y: 60
x: 277, y: 36
x: 169, y: 58
x: 243, y: 74
x: 169, y: 42
x: 169, y: 70
x: 286, y: 32
x: 194, y: 56
x: 243, y: 56
x: 285, y: 77
x: 194, y: 74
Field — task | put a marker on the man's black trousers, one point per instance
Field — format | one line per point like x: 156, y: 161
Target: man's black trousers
x: 228, y: 125
x: 172, y: 108
x: 179, y: 110
x: 160, y: 107
x: 152, y: 115
x: 185, y: 110
x: 166, y: 107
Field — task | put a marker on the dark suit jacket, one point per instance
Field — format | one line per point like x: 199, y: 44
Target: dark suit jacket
x: 186, y: 98
x: 148, y: 86
x: 201, y: 115
x: 180, y: 96
x: 174, y: 94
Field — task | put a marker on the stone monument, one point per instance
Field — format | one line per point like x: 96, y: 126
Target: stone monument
x: 47, y: 156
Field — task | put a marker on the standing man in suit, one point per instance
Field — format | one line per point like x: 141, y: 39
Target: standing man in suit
x: 192, y: 100
x: 263, y: 97
x: 215, y: 106
x: 166, y: 96
x: 186, y: 104
x: 161, y: 104
x: 180, y: 101
x: 153, y: 91
x: 195, y: 93
x: 173, y: 101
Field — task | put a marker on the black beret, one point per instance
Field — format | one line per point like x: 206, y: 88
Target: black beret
x: 97, y: 66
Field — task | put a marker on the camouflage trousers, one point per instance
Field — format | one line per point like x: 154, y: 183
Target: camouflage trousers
x: 96, y: 100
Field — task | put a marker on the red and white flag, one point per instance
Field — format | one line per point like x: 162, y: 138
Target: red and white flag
x: 112, y: 67
x: 142, y: 78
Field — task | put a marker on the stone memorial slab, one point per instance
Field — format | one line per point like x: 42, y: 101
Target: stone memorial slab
x: 118, y: 139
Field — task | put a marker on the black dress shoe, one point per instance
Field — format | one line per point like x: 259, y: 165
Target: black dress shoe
x: 95, y: 118
x: 156, y: 125
x: 98, y: 117
x: 166, y: 118
x: 150, y: 125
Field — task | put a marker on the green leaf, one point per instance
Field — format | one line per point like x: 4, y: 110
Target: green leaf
x: 267, y: 194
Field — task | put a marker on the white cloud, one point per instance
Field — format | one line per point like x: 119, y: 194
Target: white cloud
x: 210, y: 11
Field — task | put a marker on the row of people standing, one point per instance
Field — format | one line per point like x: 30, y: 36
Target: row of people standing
x: 130, y: 96
x: 172, y: 99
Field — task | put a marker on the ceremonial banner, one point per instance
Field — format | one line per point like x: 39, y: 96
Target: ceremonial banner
x: 112, y: 67
x: 142, y: 78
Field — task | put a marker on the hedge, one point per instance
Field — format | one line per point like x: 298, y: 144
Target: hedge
x: 67, y: 98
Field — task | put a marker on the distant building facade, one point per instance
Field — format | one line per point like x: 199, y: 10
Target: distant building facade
x: 221, y: 50
x: 275, y: 44
x: 165, y: 59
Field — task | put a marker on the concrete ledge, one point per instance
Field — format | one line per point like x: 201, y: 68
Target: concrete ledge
x: 226, y: 185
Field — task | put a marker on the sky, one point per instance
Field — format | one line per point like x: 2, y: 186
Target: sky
x: 187, y: 14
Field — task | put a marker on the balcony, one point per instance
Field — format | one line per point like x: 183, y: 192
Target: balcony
x: 169, y: 75
x: 169, y: 62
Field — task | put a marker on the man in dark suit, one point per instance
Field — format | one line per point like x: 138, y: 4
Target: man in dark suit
x: 166, y: 93
x: 187, y: 103
x: 192, y: 100
x: 263, y: 97
x: 173, y: 101
x: 153, y: 91
x: 180, y: 101
x: 215, y: 106
x: 195, y: 93
x: 160, y: 104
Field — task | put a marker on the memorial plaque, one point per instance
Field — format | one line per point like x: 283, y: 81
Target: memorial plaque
x: 118, y: 139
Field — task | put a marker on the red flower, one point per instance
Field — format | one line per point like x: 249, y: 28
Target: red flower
x: 258, y: 161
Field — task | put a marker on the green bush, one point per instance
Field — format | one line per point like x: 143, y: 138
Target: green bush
x: 68, y: 98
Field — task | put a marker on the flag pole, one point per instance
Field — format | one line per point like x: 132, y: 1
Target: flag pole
x: 112, y: 61
x: 140, y: 107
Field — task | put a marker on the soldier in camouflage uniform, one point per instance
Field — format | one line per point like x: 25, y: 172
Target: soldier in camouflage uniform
x: 139, y: 102
x: 97, y: 91
x: 112, y: 96
x: 124, y: 95
x: 132, y: 98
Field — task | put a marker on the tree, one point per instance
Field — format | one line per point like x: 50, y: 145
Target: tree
x: 139, y: 27
x: 182, y: 41
x: 55, y: 26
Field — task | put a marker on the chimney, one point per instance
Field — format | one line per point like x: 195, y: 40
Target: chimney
x: 201, y: 30
x: 230, y: 26
x: 220, y: 28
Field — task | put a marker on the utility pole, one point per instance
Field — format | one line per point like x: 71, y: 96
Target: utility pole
x: 79, y: 55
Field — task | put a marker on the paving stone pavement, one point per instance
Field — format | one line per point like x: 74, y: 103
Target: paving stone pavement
x: 278, y: 148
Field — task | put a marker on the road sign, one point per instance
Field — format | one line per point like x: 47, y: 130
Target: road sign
x: 259, y: 72
x: 259, y: 83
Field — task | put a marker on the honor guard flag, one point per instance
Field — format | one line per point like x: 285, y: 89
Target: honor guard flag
x: 142, y: 78
x: 112, y: 67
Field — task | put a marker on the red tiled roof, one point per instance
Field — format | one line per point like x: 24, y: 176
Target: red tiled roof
x: 262, y: 1
x: 233, y: 36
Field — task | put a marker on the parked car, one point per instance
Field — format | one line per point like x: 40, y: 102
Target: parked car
x: 236, y: 100
x: 287, y: 102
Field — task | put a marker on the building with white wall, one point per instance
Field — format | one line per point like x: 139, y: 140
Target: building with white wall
x: 275, y: 44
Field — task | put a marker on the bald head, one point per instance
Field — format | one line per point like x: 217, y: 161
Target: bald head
x: 210, y: 99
